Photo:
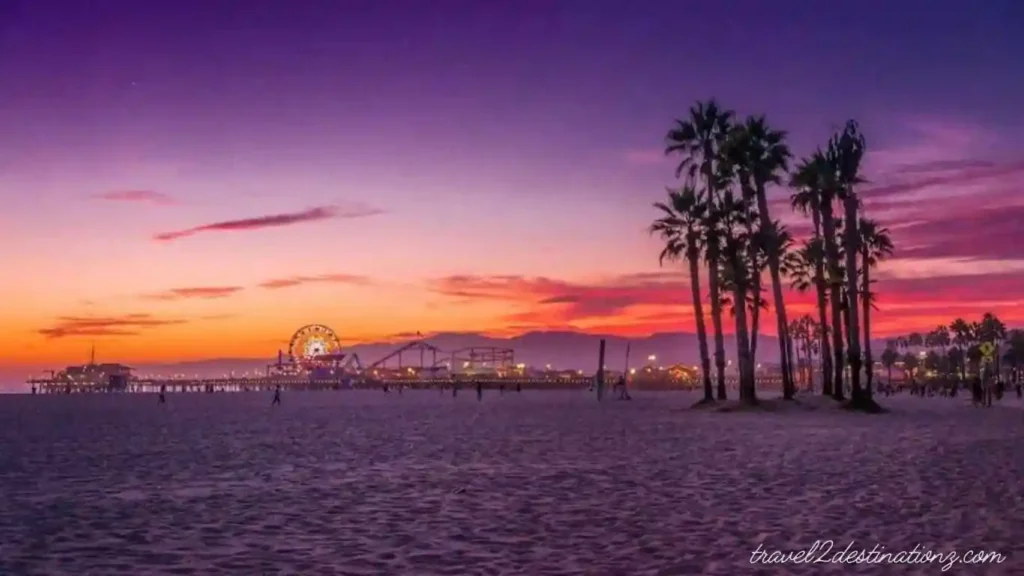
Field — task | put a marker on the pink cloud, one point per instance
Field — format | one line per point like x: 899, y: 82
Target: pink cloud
x: 652, y: 157
x: 272, y: 221
x: 150, y: 196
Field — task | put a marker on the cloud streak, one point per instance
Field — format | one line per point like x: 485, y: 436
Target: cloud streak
x: 196, y: 292
x: 292, y: 281
x: 150, y: 196
x: 272, y: 221
x: 98, y: 326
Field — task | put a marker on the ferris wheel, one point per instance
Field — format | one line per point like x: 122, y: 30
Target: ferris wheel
x: 312, y: 341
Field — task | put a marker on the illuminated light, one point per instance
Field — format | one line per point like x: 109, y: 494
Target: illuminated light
x: 632, y: 370
x: 652, y: 358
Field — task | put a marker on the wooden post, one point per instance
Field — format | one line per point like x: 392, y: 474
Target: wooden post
x: 600, y: 371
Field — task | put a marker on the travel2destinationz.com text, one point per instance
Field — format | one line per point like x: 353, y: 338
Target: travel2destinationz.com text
x: 826, y: 552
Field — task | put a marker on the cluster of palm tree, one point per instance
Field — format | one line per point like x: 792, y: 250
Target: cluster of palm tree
x: 956, y: 352
x: 805, y: 331
x: 718, y: 220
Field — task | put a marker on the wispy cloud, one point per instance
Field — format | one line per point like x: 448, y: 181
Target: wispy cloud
x: 273, y: 221
x: 126, y: 325
x: 648, y: 157
x: 565, y: 301
x: 195, y: 292
x: 150, y: 196
x: 318, y: 279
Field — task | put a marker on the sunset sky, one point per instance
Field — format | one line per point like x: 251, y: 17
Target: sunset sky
x: 197, y: 179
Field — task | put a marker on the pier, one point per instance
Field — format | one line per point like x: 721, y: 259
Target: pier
x: 315, y: 361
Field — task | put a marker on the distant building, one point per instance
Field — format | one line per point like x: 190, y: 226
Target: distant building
x: 95, y: 376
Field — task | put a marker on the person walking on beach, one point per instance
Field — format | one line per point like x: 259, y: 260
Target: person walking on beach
x: 519, y: 387
x: 162, y: 399
x: 277, y: 396
x: 455, y: 389
x: 479, y: 390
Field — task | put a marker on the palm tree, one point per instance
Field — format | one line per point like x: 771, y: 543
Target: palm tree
x: 809, y: 195
x: 699, y: 140
x: 764, y: 156
x: 846, y: 150
x: 733, y: 212
x: 992, y: 330
x: 875, y: 245
x: 819, y: 176
x: 679, y: 228
x: 914, y: 339
x: 889, y: 358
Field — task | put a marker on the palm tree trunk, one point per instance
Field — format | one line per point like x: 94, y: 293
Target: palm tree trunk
x: 714, y: 287
x: 774, y: 270
x: 799, y: 369
x: 755, y: 321
x: 698, y: 311
x: 869, y: 362
x: 832, y: 257
x: 852, y: 242
x: 748, y: 390
x: 819, y: 287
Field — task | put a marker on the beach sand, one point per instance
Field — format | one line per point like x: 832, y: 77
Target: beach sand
x: 534, y: 484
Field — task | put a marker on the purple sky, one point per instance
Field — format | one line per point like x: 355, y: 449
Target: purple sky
x: 441, y: 140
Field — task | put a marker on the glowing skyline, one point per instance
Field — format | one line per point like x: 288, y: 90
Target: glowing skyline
x: 198, y: 179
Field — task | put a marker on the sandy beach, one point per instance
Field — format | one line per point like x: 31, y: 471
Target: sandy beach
x: 535, y: 484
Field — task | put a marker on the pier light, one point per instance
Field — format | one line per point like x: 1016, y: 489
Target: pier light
x: 547, y: 366
x: 652, y: 358
x: 632, y: 371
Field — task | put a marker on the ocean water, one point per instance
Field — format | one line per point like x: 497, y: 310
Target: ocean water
x: 534, y: 483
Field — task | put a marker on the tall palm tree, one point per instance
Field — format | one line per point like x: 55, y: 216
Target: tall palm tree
x: 679, y: 228
x: 764, y: 156
x: 698, y: 141
x: 803, y: 267
x: 815, y: 181
x: 846, y: 150
x: 733, y: 213
x: 875, y: 245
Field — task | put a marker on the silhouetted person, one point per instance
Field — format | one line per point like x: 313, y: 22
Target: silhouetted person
x: 519, y: 387
x: 455, y: 389
x: 479, y: 390
x: 623, y: 392
x: 277, y: 395
x: 501, y: 389
x: 162, y: 399
x: 34, y: 390
x: 976, y: 391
